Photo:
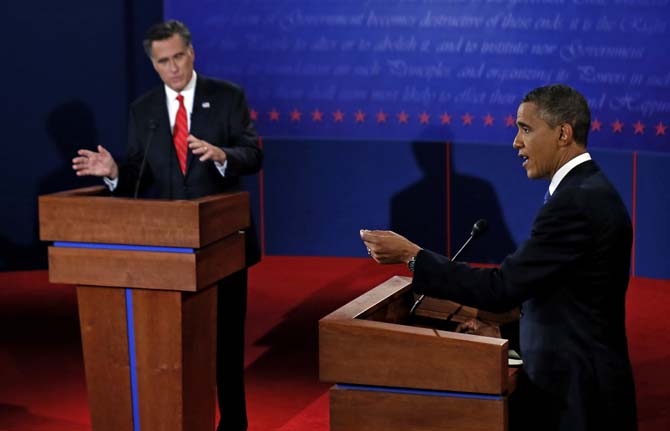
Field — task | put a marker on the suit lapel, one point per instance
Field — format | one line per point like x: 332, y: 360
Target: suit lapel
x: 202, y: 108
x: 159, y: 113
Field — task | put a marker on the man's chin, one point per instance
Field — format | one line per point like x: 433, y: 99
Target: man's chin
x: 176, y: 87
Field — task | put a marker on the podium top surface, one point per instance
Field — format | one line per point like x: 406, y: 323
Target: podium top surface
x: 87, y: 215
x: 373, y: 341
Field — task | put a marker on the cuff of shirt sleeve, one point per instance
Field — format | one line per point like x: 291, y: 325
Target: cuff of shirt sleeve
x: 222, y: 167
x: 111, y: 183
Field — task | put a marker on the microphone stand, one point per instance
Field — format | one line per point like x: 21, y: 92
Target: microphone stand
x: 152, y: 129
x: 478, y: 228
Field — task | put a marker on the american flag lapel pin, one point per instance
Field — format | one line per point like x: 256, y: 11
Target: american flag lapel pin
x: 205, y: 105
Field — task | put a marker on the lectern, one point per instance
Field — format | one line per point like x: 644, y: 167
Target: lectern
x: 395, y: 372
x: 144, y: 271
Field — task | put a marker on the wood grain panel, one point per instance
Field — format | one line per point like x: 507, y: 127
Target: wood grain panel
x: 199, y: 356
x: 384, y: 354
x: 221, y: 217
x: 137, y: 269
x: 374, y: 299
x: 102, y: 317
x: 148, y: 270
x: 158, y: 347
x: 220, y: 259
x: 354, y: 410
x: 83, y: 215
x: 442, y: 309
x: 355, y: 350
x: 118, y: 220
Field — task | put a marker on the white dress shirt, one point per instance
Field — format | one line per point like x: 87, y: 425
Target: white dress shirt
x: 563, y: 171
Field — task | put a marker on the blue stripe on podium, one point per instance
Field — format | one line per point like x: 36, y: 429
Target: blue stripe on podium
x: 123, y: 247
x: 133, y: 363
x: 418, y: 392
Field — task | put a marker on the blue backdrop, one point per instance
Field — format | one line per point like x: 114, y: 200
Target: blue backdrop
x: 389, y: 69
x: 400, y: 113
x: 75, y: 66
x: 357, y: 102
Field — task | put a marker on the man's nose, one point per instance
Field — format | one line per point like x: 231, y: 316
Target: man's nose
x: 517, y: 143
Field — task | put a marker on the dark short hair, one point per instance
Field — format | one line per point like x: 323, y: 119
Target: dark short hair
x: 165, y: 30
x: 558, y: 104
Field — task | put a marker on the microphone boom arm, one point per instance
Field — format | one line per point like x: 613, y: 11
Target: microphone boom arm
x: 477, y: 229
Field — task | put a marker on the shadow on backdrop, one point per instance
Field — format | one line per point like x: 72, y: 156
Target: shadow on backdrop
x: 473, y: 198
x: 419, y: 212
x: 70, y: 126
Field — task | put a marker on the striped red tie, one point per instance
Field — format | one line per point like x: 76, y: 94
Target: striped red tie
x: 180, y: 133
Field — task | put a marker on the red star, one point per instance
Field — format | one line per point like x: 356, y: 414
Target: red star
x: 360, y: 116
x: 639, y: 128
x: 595, y: 126
x: 253, y: 115
x: 274, y: 115
x: 509, y: 121
x: 381, y: 117
x: 338, y: 116
x: 295, y: 115
x: 467, y: 119
x: 660, y: 129
x: 445, y: 118
x: 402, y: 117
x: 488, y: 120
x: 317, y: 115
x: 424, y: 118
x: 617, y: 126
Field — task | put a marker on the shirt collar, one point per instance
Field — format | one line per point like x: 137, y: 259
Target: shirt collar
x: 563, y: 171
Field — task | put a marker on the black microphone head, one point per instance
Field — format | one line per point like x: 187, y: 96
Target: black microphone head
x: 479, y: 227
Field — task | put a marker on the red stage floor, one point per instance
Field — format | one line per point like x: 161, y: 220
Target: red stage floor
x: 42, y: 384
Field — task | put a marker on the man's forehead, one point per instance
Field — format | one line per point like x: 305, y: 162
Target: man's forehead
x: 528, y: 111
x: 170, y: 46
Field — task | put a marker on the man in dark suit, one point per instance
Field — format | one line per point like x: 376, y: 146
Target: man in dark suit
x: 570, y: 277
x: 197, y: 138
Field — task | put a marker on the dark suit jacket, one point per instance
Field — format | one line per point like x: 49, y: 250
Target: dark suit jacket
x: 221, y: 117
x: 570, y: 277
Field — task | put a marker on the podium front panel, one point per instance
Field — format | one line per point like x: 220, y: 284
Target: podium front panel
x: 366, y: 409
x: 370, y: 341
x: 168, y: 269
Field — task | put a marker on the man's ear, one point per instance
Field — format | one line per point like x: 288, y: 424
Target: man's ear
x: 566, y: 133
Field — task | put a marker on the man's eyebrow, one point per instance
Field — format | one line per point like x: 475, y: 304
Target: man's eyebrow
x: 522, y: 124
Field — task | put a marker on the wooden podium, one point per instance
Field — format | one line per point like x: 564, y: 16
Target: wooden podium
x: 393, y: 374
x: 143, y: 270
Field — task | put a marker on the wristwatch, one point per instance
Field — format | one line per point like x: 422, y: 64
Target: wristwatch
x: 411, y: 263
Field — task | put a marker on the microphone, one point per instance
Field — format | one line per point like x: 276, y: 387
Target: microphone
x: 478, y: 228
x: 153, y: 125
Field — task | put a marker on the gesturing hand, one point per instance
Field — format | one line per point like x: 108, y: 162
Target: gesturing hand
x: 386, y: 246
x: 99, y: 164
x: 205, y: 150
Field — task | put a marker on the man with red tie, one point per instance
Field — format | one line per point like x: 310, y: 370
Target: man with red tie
x: 190, y: 138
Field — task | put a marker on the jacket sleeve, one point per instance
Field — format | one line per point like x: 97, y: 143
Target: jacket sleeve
x: 242, y: 149
x: 560, y: 237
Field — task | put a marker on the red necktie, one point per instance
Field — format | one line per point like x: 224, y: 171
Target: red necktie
x: 180, y: 133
